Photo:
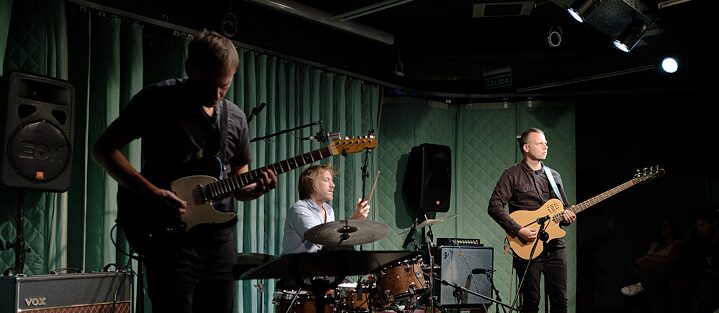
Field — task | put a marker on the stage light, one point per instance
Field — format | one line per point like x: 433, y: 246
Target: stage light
x: 581, y: 9
x: 630, y: 36
x: 670, y: 65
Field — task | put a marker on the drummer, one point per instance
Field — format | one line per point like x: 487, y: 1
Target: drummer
x: 316, y: 189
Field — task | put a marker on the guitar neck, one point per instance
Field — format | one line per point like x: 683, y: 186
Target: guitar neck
x: 223, y: 188
x: 601, y: 197
x: 640, y: 177
x: 594, y: 200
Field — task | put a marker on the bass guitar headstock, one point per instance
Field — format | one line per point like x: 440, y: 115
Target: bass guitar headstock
x: 349, y: 145
x: 648, y: 173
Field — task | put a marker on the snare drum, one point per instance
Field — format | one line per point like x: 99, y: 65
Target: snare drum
x: 401, y: 280
x: 305, y: 302
x: 347, y: 299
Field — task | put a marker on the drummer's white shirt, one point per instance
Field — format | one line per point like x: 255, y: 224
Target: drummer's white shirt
x: 303, y: 215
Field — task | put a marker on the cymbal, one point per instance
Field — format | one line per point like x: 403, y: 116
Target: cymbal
x: 430, y: 221
x: 347, y: 232
x: 247, y: 261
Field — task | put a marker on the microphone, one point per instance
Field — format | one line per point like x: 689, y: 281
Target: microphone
x: 410, y: 237
x: 320, y: 136
x: 542, y: 219
x: 256, y: 111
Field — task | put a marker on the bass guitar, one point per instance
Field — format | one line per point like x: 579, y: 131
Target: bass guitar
x: 551, y: 213
x: 143, y: 221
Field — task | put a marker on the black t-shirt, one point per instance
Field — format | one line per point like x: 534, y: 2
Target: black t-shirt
x: 175, y: 134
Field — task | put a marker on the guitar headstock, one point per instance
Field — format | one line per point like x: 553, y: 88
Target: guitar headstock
x: 648, y: 173
x: 349, y: 145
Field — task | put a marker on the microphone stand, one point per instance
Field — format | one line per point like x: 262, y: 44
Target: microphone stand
x: 286, y: 131
x: 365, y: 175
x: 458, y: 287
x: 541, y: 235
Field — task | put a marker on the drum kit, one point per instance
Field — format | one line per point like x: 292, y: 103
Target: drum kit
x: 388, y: 281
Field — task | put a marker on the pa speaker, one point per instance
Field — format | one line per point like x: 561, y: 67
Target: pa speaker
x: 36, y: 143
x: 465, y: 267
x: 428, y: 180
x: 101, y: 292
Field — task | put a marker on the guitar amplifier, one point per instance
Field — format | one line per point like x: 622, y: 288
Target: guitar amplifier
x: 465, y: 268
x: 102, y: 292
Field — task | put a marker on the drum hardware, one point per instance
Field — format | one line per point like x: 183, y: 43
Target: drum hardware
x: 338, y: 264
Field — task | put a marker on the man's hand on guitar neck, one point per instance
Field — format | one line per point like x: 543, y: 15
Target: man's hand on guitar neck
x: 263, y: 184
x: 569, y: 216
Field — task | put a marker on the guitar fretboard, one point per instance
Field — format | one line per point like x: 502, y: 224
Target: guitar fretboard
x: 558, y: 218
x: 222, y: 188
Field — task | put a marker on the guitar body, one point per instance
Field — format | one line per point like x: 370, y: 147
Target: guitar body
x: 146, y: 221
x: 199, y: 210
x: 525, y: 217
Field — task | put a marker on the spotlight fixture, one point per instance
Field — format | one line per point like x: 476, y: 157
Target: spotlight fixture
x: 581, y: 9
x: 629, y: 37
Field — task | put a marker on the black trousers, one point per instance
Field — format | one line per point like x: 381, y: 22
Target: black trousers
x: 552, y: 263
x: 193, y: 272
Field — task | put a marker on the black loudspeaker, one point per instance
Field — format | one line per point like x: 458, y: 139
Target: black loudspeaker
x: 102, y: 292
x: 36, y: 143
x: 470, y: 267
x: 428, y: 180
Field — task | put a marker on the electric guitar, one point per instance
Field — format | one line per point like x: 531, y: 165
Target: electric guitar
x: 143, y: 220
x: 551, y: 213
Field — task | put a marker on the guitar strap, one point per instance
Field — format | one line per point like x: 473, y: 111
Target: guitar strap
x: 223, y: 137
x: 548, y: 171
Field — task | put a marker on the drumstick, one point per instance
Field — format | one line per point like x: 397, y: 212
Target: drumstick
x: 374, y: 184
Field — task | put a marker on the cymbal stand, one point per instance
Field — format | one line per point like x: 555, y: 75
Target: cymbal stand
x: 260, y: 291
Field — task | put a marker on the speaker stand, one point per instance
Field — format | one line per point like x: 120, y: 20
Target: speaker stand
x: 19, y: 245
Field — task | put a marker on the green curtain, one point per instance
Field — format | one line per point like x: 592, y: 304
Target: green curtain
x: 295, y: 95
x: 33, y: 39
x: 5, y: 10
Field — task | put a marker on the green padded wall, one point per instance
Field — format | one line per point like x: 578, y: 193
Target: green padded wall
x: 482, y: 140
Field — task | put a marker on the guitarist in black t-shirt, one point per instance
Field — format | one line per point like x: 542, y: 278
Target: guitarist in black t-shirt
x: 181, y: 122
